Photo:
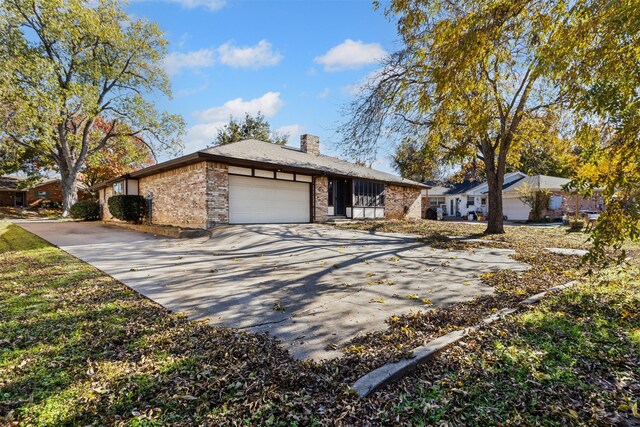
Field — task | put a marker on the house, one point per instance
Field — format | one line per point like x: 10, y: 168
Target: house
x: 10, y: 192
x: 253, y: 181
x: 13, y: 194
x: 460, y: 199
x: 450, y: 196
x: 561, y: 202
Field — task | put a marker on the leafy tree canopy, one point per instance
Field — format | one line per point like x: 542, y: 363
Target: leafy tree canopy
x: 126, y: 154
x: 251, y: 128
x: 474, y: 78
x: 67, y: 62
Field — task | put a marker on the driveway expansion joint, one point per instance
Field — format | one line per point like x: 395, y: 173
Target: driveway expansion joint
x: 391, y: 372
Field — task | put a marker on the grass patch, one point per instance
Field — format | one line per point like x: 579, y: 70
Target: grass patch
x: 574, y: 360
x: 79, y: 348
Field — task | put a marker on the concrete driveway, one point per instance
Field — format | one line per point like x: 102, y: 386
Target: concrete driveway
x: 308, y: 285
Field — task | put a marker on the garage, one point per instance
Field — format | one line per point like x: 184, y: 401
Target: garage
x: 268, y: 201
x: 515, y: 210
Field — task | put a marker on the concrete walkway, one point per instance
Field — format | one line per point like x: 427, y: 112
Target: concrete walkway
x: 308, y: 285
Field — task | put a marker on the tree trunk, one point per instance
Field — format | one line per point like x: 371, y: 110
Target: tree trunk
x: 69, y: 184
x: 495, y: 220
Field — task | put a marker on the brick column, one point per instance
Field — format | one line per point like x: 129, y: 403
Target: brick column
x: 321, y: 199
x: 217, y: 194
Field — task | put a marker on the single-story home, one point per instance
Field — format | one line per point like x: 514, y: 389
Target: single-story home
x: 561, y: 202
x: 253, y: 181
x: 16, y: 195
x: 451, y: 197
x: 460, y: 199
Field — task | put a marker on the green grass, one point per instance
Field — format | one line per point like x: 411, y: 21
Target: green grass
x: 574, y: 360
x: 79, y: 348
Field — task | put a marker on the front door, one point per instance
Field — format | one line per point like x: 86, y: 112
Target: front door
x: 340, y: 196
x: 20, y: 199
x: 339, y: 204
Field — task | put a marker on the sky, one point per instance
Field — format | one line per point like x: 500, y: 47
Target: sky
x: 297, y: 62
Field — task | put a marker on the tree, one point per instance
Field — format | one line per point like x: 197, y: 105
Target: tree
x: 536, y: 198
x: 471, y: 80
x: 413, y: 162
x: 127, y: 154
x: 609, y: 136
x: 251, y: 128
x: 67, y: 62
x: 469, y: 171
x: 547, y: 150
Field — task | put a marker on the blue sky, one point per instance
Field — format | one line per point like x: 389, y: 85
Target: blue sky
x: 296, y: 61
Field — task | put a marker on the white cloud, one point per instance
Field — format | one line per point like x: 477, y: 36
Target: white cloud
x: 351, y: 54
x: 258, y: 56
x: 201, y: 136
x: 175, y: 62
x: 212, y: 5
x: 203, y: 133
x: 268, y: 104
x: 294, y: 132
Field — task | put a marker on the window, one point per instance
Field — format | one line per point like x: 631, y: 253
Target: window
x: 483, y: 201
x: 330, y: 191
x: 470, y: 201
x: 367, y: 193
x: 118, y: 188
x: 436, y: 201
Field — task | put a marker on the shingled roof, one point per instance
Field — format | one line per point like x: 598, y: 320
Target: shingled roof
x: 547, y: 182
x: 282, y: 155
x: 260, y: 154
x: 10, y: 183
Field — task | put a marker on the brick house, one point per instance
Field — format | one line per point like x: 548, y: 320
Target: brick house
x: 253, y: 181
x: 13, y: 194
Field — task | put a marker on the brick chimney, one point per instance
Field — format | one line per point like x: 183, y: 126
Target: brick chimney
x: 310, y: 144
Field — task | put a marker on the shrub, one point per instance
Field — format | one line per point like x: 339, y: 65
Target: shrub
x: 87, y: 210
x: 127, y: 207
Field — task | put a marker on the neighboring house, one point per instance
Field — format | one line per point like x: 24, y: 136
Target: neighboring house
x: 463, y: 198
x: 451, y: 197
x: 252, y: 181
x: 478, y: 196
x: 561, y: 202
x: 10, y: 192
x: 459, y: 199
x: 46, y: 189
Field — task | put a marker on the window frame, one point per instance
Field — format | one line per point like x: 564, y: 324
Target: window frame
x: 368, y: 194
x: 116, y: 184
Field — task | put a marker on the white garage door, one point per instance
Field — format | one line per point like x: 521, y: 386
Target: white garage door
x: 256, y: 200
x: 515, y: 210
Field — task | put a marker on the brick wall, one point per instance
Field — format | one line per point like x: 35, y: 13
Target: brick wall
x: 569, y: 202
x: 53, y: 190
x: 321, y: 199
x: 217, y: 197
x: 179, y: 196
x: 103, y: 198
x: 402, y: 202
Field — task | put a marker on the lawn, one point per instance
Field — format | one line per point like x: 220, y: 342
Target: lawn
x: 79, y: 348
